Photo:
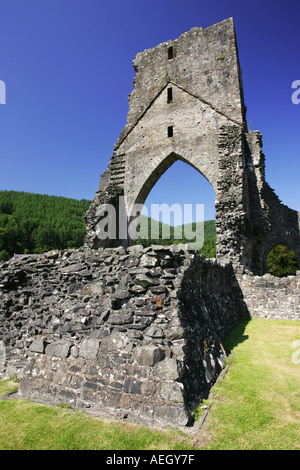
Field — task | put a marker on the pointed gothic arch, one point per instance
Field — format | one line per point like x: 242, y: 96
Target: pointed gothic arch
x: 142, y: 191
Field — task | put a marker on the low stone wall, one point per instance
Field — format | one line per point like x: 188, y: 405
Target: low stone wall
x: 271, y: 297
x: 131, y: 333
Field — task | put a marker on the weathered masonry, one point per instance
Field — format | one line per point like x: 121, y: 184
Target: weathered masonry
x: 188, y: 104
x: 130, y: 333
x: 134, y: 332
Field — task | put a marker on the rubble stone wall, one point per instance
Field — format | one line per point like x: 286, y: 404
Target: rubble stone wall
x: 271, y: 297
x: 131, y: 333
x: 128, y: 333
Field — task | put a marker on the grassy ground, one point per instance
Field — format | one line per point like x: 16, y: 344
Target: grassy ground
x: 255, y: 406
x: 31, y: 426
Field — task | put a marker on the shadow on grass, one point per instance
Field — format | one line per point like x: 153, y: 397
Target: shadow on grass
x: 236, y: 335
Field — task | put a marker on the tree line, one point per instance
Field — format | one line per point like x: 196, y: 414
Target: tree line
x: 35, y: 223
x: 186, y: 235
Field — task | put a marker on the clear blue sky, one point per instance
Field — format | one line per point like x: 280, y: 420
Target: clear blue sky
x: 67, y: 66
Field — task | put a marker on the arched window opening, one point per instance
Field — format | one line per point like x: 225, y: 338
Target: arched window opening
x: 173, y: 209
x: 282, y: 261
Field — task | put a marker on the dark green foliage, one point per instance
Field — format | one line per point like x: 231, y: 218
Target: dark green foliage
x: 282, y: 261
x: 35, y: 223
x: 209, y: 247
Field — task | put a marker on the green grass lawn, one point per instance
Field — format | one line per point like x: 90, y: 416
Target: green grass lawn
x: 31, y: 426
x: 255, y: 406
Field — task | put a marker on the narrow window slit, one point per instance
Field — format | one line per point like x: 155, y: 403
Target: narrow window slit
x: 170, y: 131
x: 170, y: 53
x: 170, y: 95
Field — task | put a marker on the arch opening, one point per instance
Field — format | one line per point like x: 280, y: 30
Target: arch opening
x: 178, y: 202
x: 282, y: 261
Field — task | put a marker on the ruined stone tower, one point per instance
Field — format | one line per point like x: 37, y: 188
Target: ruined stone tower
x: 188, y: 104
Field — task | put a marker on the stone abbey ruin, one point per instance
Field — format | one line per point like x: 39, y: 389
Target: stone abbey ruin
x: 131, y: 332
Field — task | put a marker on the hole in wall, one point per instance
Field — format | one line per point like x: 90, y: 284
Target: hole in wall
x: 170, y: 53
x: 282, y: 261
x: 170, y: 95
x: 170, y: 131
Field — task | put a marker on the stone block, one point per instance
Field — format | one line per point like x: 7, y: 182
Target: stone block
x: 172, y: 415
x: 132, y: 385
x: 145, y: 281
x: 38, y: 345
x: 172, y: 391
x: 149, y: 355
x: 73, y: 268
x: 121, y: 294
x: 167, y: 369
x: 155, y: 332
x: 148, y: 261
x: 89, y: 348
x: 175, y: 332
x: 114, y: 342
x: 94, y: 288
x: 53, y: 254
x: 120, y: 318
x: 59, y: 349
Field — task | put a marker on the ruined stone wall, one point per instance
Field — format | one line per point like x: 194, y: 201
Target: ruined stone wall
x: 131, y: 333
x: 137, y: 332
x: 196, y: 92
x: 270, y: 221
x: 187, y: 104
x: 204, y: 62
x: 271, y: 297
x: 128, y: 333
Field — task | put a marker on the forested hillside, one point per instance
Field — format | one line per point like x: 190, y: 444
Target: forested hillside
x: 35, y: 223
x: 186, y: 235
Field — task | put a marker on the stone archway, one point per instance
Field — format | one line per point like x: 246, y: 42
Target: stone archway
x: 141, y: 191
x: 174, y: 209
x: 188, y: 104
x: 270, y: 247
